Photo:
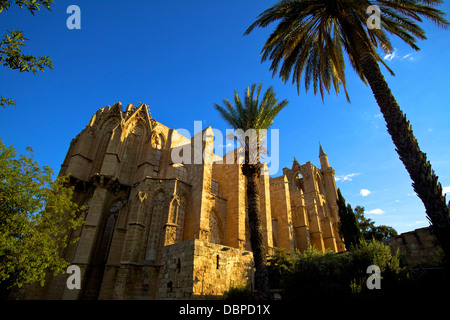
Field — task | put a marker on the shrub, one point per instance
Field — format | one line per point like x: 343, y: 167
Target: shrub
x: 314, y: 274
x: 241, y: 292
x: 279, y: 267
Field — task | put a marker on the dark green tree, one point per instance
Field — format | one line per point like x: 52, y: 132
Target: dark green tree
x: 11, y: 55
x: 36, y: 216
x: 368, y: 229
x: 348, y: 226
x: 279, y: 265
x: 310, y: 40
x: 252, y: 116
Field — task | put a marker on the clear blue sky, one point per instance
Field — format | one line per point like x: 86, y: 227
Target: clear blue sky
x: 180, y: 57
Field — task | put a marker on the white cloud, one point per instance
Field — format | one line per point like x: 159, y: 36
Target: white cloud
x: 408, y: 56
x: 446, y: 190
x: 394, y: 55
x: 364, y: 192
x: 347, y: 177
x: 390, y: 56
x: 422, y: 222
x: 375, y: 211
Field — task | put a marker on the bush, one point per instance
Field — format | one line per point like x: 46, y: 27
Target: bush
x: 279, y: 267
x: 314, y: 274
x: 241, y: 292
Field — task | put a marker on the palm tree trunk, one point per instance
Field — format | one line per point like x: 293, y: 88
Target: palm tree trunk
x: 425, y: 182
x: 252, y: 172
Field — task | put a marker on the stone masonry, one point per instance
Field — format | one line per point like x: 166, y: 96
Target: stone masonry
x: 155, y: 229
x: 420, y: 248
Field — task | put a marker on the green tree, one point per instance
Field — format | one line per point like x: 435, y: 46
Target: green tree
x: 279, y: 266
x: 11, y: 55
x: 310, y: 39
x: 368, y: 229
x: 365, y: 224
x: 36, y: 217
x: 348, y: 225
x: 326, y: 275
x: 253, y: 116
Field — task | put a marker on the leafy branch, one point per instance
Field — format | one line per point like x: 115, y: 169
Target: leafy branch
x: 31, y: 5
x: 11, y: 55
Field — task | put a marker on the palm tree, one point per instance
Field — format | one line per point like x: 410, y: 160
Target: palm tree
x: 254, y: 116
x: 309, y: 40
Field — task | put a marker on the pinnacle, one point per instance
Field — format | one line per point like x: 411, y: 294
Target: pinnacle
x: 321, y: 152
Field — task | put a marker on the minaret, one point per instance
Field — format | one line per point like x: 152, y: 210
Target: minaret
x: 331, y: 193
x: 323, y: 158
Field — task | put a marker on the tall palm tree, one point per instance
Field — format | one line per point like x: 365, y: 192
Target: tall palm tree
x: 253, y: 116
x: 309, y: 39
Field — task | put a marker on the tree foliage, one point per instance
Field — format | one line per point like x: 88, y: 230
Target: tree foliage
x: 348, y: 226
x: 354, y: 226
x: 255, y: 115
x: 312, y: 36
x: 368, y: 228
x: 279, y: 266
x: 36, y: 216
x: 313, y: 274
x: 240, y: 292
x: 251, y: 113
x: 308, y: 45
x: 11, y: 55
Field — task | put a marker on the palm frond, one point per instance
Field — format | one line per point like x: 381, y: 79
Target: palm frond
x: 251, y: 117
x: 308, y: 41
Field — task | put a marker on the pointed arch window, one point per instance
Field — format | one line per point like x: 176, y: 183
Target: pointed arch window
x: 214, y: 187
x: 299, y: 182
x: 108, y: 231
x: 155, y: 226
x: 214, y: 228
x: 320, y: 184
x: 180, y: 220
x: 173, y: 212
x: 157, y: 143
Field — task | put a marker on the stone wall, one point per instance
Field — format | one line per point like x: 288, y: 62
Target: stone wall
x: 281, y: 213
x: 197, y: 269
x: 420, y: 247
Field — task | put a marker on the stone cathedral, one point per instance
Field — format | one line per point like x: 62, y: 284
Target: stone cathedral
x: 159, y: 230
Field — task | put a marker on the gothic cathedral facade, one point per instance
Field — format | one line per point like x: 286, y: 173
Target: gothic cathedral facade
x: 155, y: 229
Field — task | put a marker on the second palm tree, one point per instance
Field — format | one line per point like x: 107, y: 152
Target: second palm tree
x: 254, y: 116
